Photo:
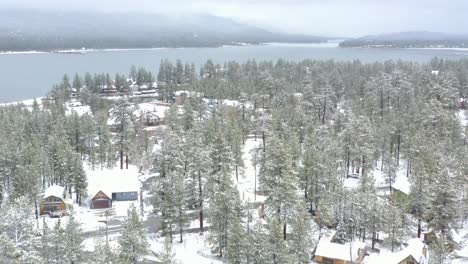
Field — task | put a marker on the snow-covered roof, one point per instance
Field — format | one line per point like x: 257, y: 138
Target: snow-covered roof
x: 112, y: 180
x: 414, y: 248
x: 54, y: 190
x: 402, y: 183
x: 179, y: 93
x: 331, y: 250
x: 157, y: 109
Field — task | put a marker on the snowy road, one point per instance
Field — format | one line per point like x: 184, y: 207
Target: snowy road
x: 152, y: 224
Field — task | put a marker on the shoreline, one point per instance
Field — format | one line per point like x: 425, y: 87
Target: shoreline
x: 85, y: 51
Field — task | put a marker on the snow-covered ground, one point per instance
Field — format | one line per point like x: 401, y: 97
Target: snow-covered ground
x: 246, y: 184
x: 414, y: 248
x: 28, y: 103
x: 155, y: 107
x: 78, y: 108
x: 401, y: 181
x: 194, y: 249
x: 462, y: 117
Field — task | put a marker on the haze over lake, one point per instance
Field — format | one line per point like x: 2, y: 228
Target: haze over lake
x: 31, y: 75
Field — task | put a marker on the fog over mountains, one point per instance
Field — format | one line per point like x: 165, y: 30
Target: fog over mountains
x: 22, y: 29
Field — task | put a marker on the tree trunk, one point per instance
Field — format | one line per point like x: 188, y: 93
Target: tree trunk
x: 363, y: 165
x: 200, y: 197
x: 306, y: 186
x: 126, y: 161
x: 255, y: 179
x: 419, y: 228
x: 121, y: 159
x: 181, y: 231
x: 284, y: 231
x: 36, y: 210
x: 263, y: 139
x: 324, y: 111
x: 398, y: 148
x: 237, y: 173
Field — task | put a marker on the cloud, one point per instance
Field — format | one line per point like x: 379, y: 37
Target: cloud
x: 332, y: 17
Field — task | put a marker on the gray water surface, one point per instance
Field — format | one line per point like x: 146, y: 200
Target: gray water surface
x: 26, y: 76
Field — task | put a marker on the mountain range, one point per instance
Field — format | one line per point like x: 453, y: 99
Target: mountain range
x: 22, y: 30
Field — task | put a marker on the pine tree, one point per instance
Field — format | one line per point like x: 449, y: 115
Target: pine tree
x: 301, y: 237
x: 167, y: 256
x: 46, y: 245
x: 394, y: 224
x: 17, y: 240
x: 199, y: 159
x: 133, y: 244
x: 236, y: 250
x: 171, y: 192
x: 279, y: 250
x: 224, y: 208
x: 123, y: 116
x: 73, y: 240
x: 103, y: 253
x: 278, y: 179
x: 259, y: 247
x: 443, y: 211
x: 57, y: 245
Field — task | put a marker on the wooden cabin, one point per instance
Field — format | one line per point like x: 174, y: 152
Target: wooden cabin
x: 100, y: 201
x: 54, y: 201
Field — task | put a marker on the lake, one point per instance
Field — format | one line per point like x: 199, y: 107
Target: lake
x: 29, y: 75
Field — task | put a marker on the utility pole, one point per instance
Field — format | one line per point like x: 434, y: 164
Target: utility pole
x: 107, y: 213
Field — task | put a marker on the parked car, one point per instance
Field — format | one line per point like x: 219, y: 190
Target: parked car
x: 56, y: 214
x: 353, y: 175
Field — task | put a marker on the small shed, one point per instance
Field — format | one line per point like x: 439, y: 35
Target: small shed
x: 54, y: 201
x: 100, y: 201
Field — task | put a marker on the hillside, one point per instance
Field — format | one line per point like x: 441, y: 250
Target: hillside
x: 410, y: 39
x: 41, y: 30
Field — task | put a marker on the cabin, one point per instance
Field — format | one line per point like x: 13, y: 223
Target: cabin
x: 107, y: 90
x: 109, y: 187
x: 100, y: 201
x: 147, y: 89
x: 181, y: 96
x: 74, y: 93
x: 151, y: 119
x: 333, y: 253
x: 105, y: 198
x: 54, y: 201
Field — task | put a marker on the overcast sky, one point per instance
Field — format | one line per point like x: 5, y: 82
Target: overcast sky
x: 320, y: 17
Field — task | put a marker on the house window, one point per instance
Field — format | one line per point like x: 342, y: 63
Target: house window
x: 52, y: 208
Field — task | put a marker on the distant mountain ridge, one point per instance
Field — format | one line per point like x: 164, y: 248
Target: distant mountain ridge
x: 22, y: 30
x: 410, y: 39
